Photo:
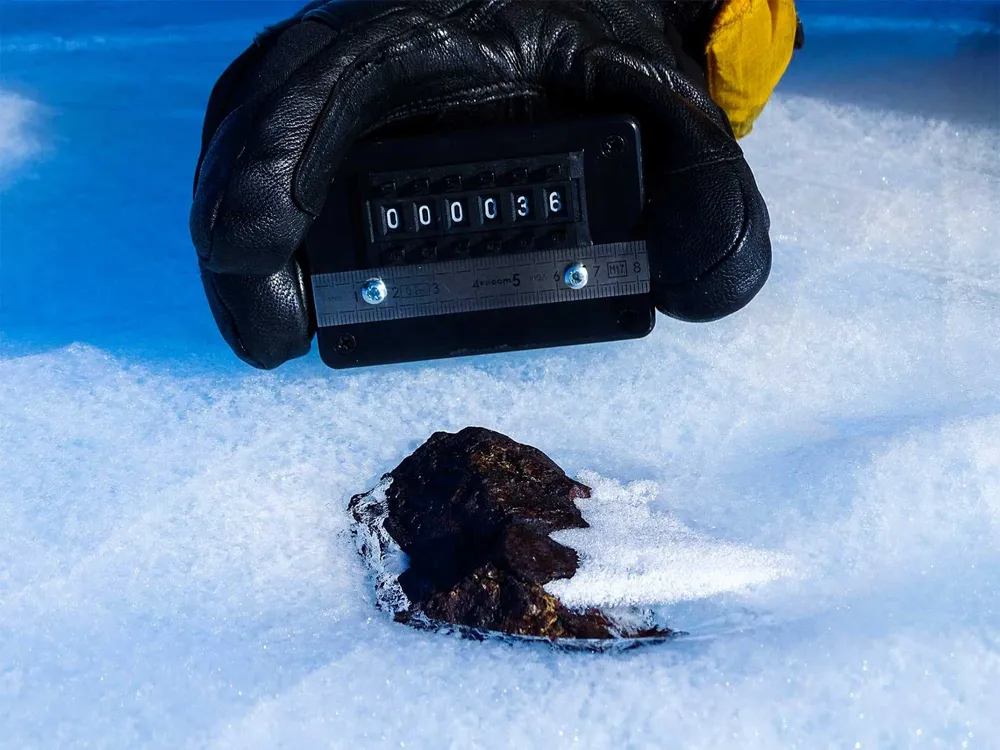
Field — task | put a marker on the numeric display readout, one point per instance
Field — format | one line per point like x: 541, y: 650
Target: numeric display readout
x: 436, y: 215
x: 522, y: 204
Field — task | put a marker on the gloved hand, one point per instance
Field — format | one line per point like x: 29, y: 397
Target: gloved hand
x: 285, y: 113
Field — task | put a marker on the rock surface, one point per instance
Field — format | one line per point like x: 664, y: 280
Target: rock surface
x: 473, y: 512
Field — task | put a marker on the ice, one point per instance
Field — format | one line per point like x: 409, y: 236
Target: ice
x: 383, y: 556
x: 810, y: 488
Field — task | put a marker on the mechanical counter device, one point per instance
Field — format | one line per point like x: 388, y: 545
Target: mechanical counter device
x: 469, y: 243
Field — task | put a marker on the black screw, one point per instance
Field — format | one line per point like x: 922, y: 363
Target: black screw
x: 613, y: 145
x: 346, y: 345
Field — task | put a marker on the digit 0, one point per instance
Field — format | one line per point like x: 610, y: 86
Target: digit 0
x: 457, y: 214
x: 392, y: 219
x: 490, y: 208
x: 424, y: 215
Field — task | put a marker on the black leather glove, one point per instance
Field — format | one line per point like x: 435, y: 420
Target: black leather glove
x: 284, y: 114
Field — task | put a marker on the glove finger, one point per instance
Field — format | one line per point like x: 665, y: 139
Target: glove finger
x: 237, y: 98
x: 259, y: 70
x: 269, y: 167
x: 706, y: 223
x: 266, y: 320
x: 277, y: 51
x: 710, y: 230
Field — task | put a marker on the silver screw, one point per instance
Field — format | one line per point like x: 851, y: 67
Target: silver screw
x: 576, y: 276
x: 373, y: 291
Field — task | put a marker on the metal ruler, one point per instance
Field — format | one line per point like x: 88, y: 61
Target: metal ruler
x: 488, y: 283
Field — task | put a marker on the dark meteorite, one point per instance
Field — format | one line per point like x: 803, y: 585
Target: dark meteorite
x: 473, y: 512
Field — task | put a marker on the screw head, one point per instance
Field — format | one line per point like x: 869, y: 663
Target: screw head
x: 576, y: 276
x: 374, y: 291
x: 629, y: 319
x: 613, y: 144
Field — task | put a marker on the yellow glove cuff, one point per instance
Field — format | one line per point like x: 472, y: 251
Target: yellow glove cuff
x: 749, y: 49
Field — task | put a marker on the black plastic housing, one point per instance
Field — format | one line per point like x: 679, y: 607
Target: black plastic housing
x: 599, y: 164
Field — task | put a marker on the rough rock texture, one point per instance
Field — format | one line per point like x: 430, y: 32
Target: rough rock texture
x: 473, y: 512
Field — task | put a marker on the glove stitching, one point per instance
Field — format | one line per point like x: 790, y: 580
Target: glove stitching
x: 653, y: 71
x: 258, y: 103
x: 217, y: 208
x: 350, y: 81
x: 486, y: 10
x: 477, y: 95
x: 610, y: 28
x: 741, y: 238
x: 391, y: 48
x: 224, y: 89
x: 715, y: 160
x: 323, y: 15
x: 232, y: 326
x: 265, y: 43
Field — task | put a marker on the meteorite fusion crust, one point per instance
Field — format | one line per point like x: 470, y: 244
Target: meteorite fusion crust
x: 473, y: 512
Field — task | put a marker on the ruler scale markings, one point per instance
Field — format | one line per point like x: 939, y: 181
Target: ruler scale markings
x: 488, y: 283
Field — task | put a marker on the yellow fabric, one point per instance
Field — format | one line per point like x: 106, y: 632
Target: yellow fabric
x: 749, y: 48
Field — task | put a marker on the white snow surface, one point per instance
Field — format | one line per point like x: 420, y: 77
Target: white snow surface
x: 810, y: 488
x: 634, y: 555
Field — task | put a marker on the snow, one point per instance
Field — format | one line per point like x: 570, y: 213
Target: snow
x: 810, y: 488
x: 636, y: 555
